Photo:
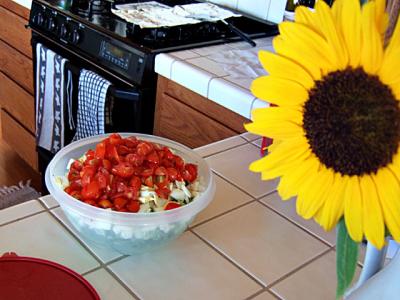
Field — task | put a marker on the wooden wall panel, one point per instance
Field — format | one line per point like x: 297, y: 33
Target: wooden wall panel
x: 14, y: 33
x: 16, y: 66
x: 201, y: 104
x: 185, y: 125
x: 15, y: 8
x: 19, y: 139
x: 17, y: 102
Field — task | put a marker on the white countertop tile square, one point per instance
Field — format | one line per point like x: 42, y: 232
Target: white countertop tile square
x: 226, y: 197
x: 208, y: 65
x: 288, y: 209
x: 204, y: 51
x: 163, y: 63
x: 46, y: 239
x: 234, y: 166
x: 184, y: 54
x: 265, y: 296
x: 250, y: 136
x: 243, y: 82
x: 190, y: 77
x: 260, y: 241
x: 49, y: 201
x: 315, y: 281
x: 185, y: 269
x: 107, y: 287
x: 105, y: 255
x: 231, y: 96
x: 19, y: 211
x: 220, y: 146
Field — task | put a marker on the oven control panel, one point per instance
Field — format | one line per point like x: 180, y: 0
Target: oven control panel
x: 96, y: 48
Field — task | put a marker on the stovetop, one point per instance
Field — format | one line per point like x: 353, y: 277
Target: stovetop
x: 158, y: 39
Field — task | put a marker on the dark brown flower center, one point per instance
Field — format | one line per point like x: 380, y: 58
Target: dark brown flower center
x: 352, y: 122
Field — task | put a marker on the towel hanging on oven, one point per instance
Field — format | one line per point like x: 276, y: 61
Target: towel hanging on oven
x: 52, y: 91
x: 92, y: 94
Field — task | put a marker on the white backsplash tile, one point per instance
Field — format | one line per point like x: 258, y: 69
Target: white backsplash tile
x: 276, y: 11
x: 257, y: 8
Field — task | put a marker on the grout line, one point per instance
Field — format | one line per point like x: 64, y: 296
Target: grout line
x: 123, y: 284
x: 22, y: 218
x: 299, y: 267
x: 264, y: 290
x: 256, y: 280
x: 223, y: 213
x: 296, y: 224
x: 240, y: 188
x: 92, y: 271
x: 226, y: 149
x: 97, y: 258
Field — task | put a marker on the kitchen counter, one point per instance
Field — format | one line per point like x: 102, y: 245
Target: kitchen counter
x: 247, y: 244
x: 221, y: 73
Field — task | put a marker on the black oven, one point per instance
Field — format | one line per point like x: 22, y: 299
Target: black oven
x: 133, y: 105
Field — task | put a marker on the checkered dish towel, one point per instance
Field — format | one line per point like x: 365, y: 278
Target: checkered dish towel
x: 91, y: 104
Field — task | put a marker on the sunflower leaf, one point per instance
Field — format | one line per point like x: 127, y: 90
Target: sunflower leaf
x: 346, y: 259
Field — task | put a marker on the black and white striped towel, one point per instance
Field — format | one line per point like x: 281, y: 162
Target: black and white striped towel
x: 51, y: 94
x: 91, y: 104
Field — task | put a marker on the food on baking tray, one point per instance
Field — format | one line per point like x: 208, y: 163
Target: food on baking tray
x: 132, y: 175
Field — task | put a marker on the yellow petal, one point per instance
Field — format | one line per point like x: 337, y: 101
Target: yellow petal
x: 333, y: 207
x: 372, y: 48
x: 353, y: 209
x: 327, y: 26
x: 279, y: 91
x: 372, y: 213
x: 389, y: 72
x: 299, y: 34
x: 389, y: 195
x: 303, y: 54
x: 304, y: 15
x: 381, y: 18
x: 290, y: 183
x: 313, y: 193
x: 285, y: 68
x: 287, y: 151
x: 350, y: 23
x: 281, y: 130
x: 277, y: 114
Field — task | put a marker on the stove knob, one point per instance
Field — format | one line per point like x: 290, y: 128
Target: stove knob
x: 51, y: 24
x: 75, y: 36
x: 38, y: 19
x: 63, y: 31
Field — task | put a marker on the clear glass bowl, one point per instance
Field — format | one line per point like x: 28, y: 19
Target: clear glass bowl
x: 128, y: 233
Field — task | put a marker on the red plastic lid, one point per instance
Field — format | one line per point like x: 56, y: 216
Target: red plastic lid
x: 27, y: 278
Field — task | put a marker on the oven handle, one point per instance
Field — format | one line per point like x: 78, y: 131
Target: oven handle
x: 131, y: 95
x: 126, y: 94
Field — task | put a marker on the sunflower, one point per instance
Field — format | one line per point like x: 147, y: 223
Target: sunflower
x: 336, y: 124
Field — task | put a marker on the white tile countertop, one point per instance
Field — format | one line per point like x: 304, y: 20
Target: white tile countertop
x: 247, y: 244
x: 221, y: 73
x: 25, y: 3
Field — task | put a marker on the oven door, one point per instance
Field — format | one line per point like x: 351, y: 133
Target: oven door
x: 132, y: 108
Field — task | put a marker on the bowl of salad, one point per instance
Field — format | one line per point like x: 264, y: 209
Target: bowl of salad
x: 129, y: 192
